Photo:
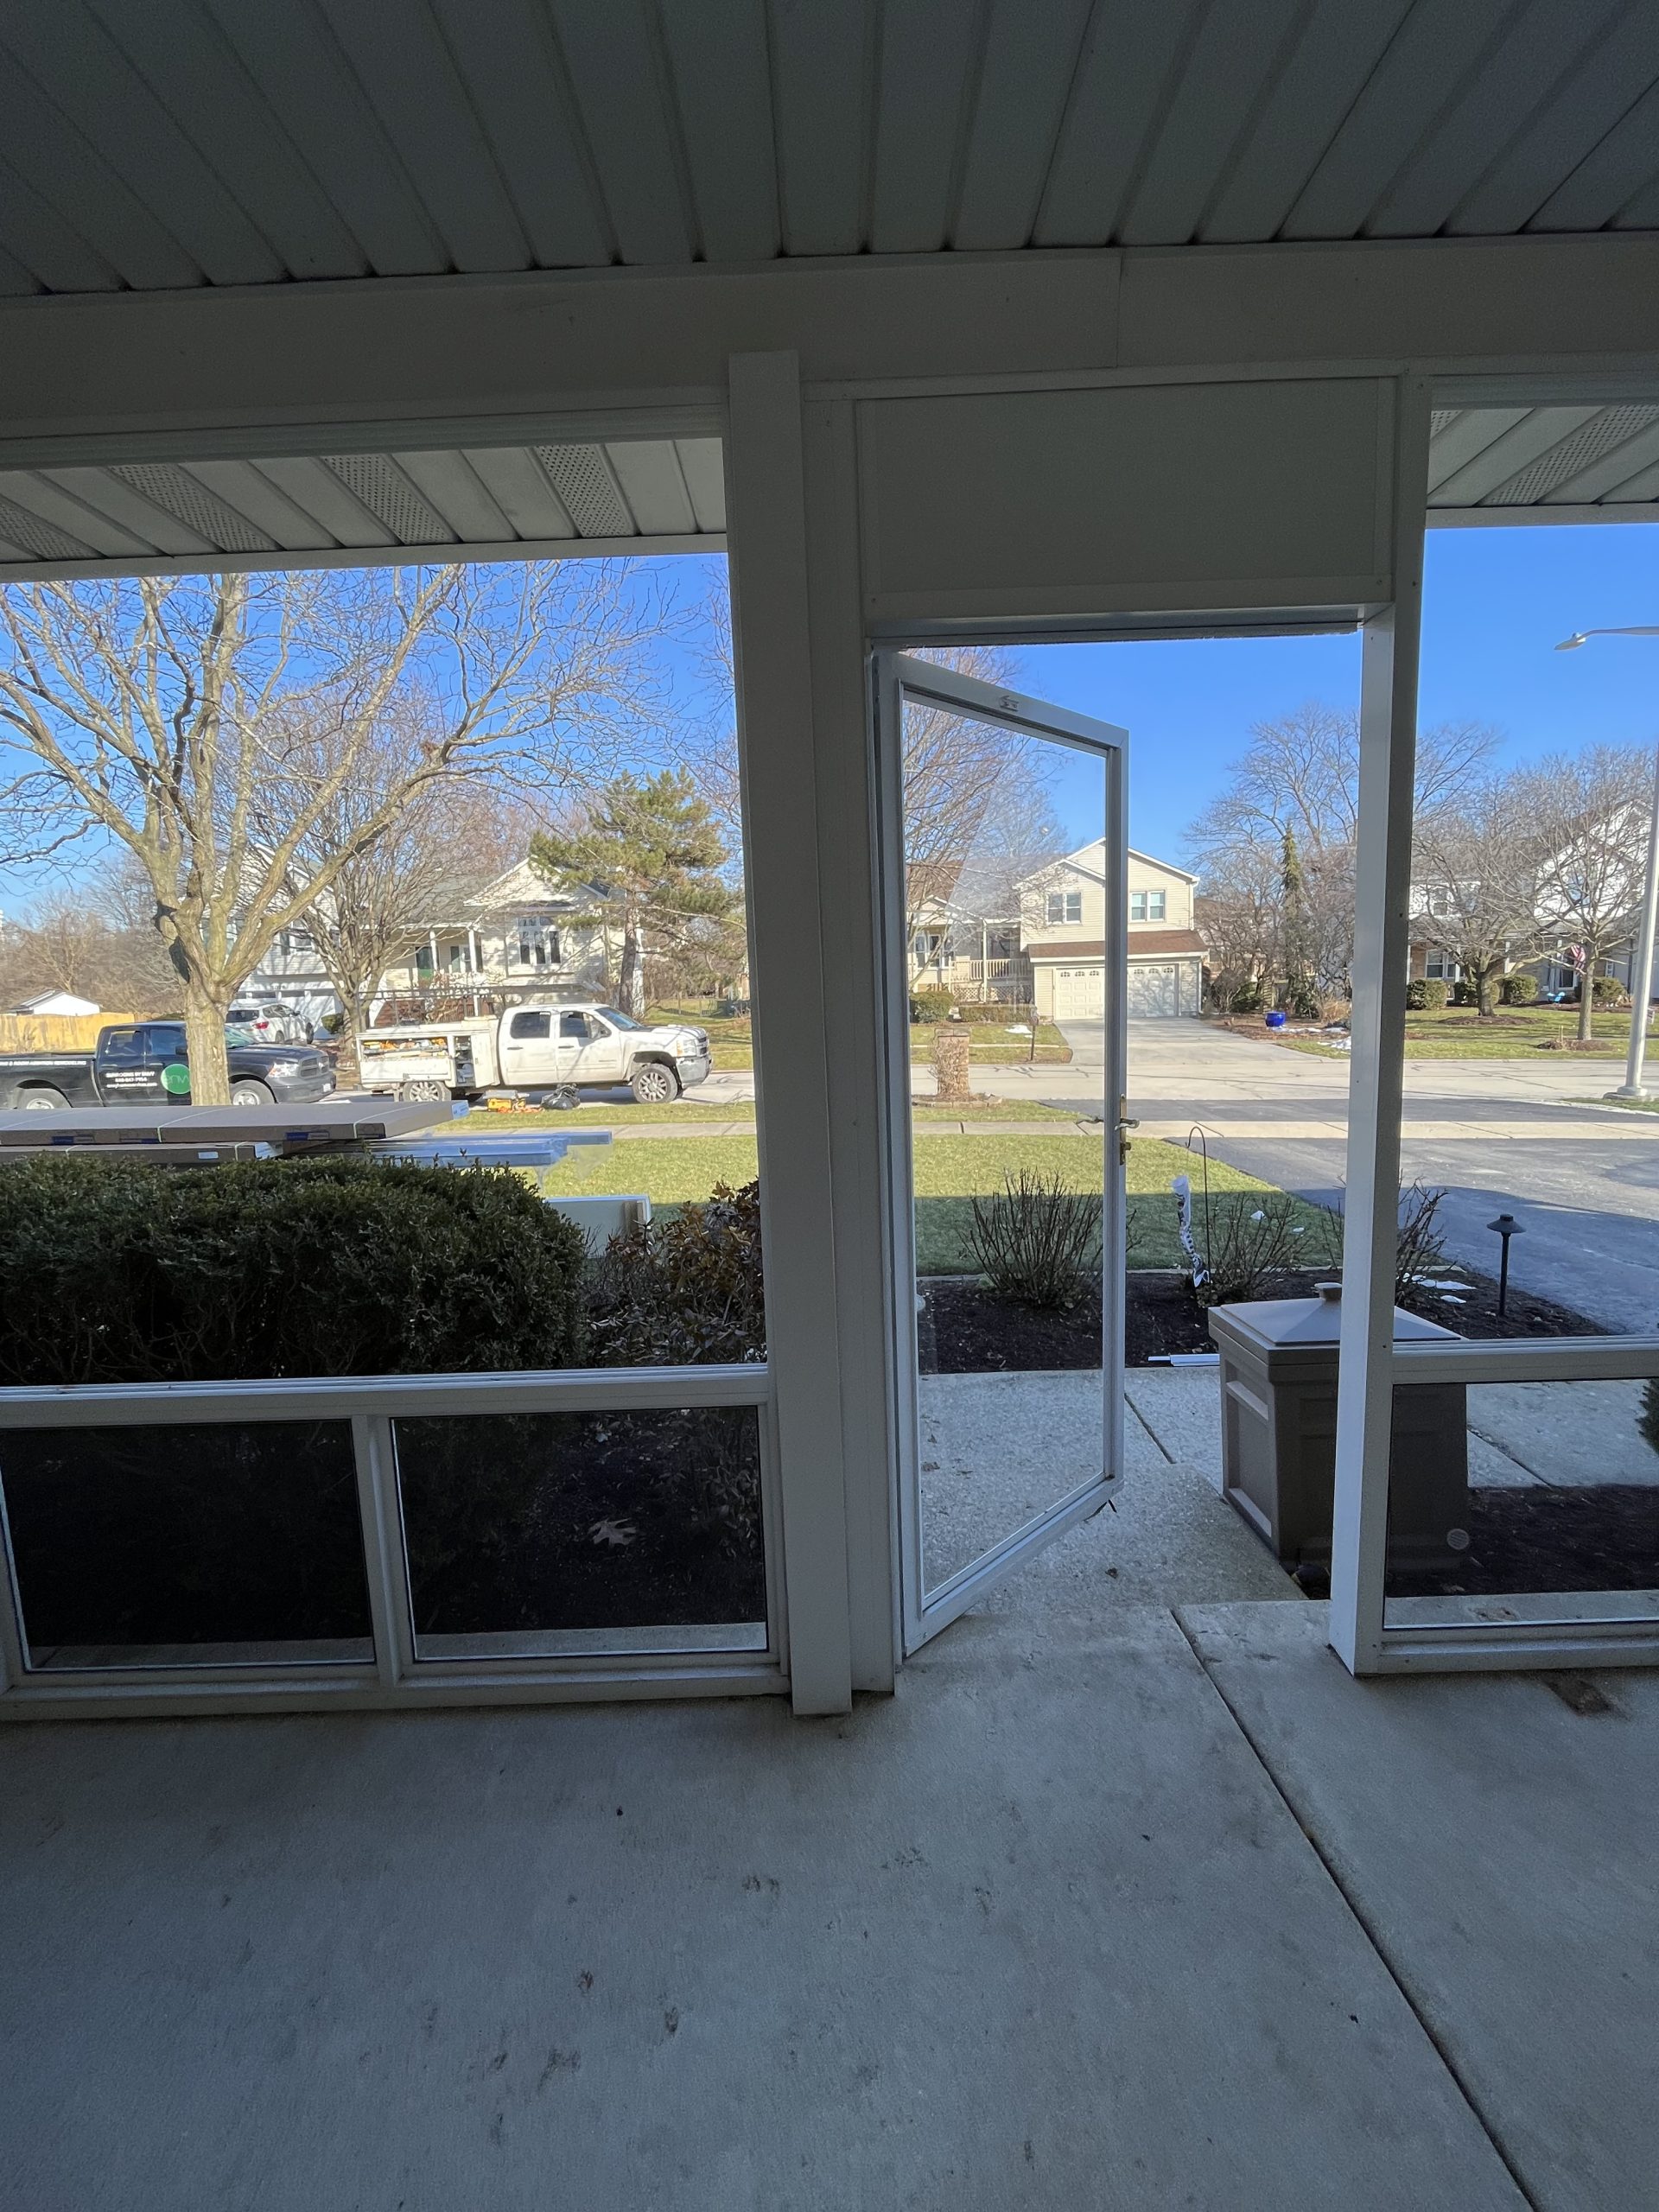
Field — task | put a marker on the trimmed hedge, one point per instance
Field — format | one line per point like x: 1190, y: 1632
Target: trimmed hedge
x: 931, y: 1006
x: 1521, y: 989
x: 116, y: 1271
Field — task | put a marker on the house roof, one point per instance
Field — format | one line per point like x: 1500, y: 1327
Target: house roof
x: 1144, y: 945
x: 1079, y: 860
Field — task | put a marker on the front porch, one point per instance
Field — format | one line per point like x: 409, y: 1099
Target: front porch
x: 1155, y: 1893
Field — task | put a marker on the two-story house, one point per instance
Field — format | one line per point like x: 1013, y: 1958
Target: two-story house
x: 1062, y: 932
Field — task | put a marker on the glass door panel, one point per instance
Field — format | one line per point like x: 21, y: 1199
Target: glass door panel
x: 1006, y: 920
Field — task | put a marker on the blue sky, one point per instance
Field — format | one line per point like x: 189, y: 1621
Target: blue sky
x: 1495, y: 602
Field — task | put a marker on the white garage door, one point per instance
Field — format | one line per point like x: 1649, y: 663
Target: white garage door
x: 1080, y: 993
x: 1155, y: 990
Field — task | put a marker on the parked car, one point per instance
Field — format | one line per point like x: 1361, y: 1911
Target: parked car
x: 272, y: 1022
x: 133, y: 1065
x: 543, y: 1046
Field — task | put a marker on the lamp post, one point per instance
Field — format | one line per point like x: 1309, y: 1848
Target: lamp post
x: 1642, y: 975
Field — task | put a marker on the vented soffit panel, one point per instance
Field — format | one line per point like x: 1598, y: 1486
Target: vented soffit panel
x: 1504, y: 465
x: 543, y: 501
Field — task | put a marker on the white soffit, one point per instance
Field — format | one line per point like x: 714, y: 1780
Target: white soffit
x: 1544, y: 464
x: 156, y: 144
x: 638, y: 496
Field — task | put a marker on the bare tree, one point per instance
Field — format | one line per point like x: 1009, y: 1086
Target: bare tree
x: 1592, y: 809
x: 1476, y: 867
x: 208, y: 726
x: 72, y: 941
x: 1300, y: 776
x: 959, y: 775
x: 449, y: 840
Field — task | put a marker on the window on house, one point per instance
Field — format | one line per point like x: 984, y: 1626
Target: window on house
x: 532, y: 943
x: 1066, y: 906
x: 1148, y: 906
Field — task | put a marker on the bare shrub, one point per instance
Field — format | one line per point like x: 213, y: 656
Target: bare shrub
x: 1036, y: 1241
x: 1251, y: 1251
x: 1420, y: 1251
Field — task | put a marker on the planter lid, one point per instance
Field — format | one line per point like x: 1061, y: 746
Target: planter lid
x: 1307, y: 1321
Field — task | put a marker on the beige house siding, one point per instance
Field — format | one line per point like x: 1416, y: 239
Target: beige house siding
x: 1063, y: 930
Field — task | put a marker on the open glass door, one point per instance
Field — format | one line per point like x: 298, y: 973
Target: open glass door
x: 1005, y: 921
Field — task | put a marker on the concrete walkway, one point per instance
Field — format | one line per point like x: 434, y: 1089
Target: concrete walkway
x: 1040, y: 1931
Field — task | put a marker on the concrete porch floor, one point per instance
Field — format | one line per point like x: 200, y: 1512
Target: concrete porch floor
x: 1046, y: 1928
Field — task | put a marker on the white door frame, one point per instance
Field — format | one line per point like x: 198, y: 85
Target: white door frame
x: 897, y: 676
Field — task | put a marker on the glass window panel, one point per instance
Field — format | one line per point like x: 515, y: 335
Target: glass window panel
x: 1530, y: 1502
x: 207, y: 1544
x: 536, y: 1535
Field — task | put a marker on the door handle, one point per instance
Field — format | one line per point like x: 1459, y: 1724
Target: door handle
x: 1125, y: 1121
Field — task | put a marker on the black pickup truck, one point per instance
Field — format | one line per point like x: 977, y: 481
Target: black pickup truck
x: 144, y: 1064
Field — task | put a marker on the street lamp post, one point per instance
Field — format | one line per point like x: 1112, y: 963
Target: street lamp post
x: 1642, y: 975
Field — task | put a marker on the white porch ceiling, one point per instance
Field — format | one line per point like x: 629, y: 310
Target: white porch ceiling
x: 1544, y: 464
x: 157, y: 144
x: 633, y: 496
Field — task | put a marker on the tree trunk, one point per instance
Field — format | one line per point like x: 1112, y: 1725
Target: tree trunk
x: 353, y: 1017
x: 631, y: 983
x: 1484, y: 979
x: 204, y: 1030
x: 1587, y: 1001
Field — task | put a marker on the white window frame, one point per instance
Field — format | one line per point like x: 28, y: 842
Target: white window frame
x: 1065, y: 901
x: 394, y: 1676
x: 1370, y: 1362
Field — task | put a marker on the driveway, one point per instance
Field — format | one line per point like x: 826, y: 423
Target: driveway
x: 1499, y: 1137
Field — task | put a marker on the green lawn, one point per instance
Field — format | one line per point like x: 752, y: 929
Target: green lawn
x: 1514, y: 1032
x: 693, y: 1111
x: 1627, y: 1105
x: 950, y: 1173
x: 730, y: 1041
x: 994, y: 1041
x: 732, y: 1046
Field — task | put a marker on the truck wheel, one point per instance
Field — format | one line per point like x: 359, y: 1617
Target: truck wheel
x: 41, y: 1099
x: 248, y: 1093
x: 418, y: 1094
x: 654, y: 1084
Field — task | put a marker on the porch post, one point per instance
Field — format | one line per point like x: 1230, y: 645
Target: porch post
x: 767, y: 538
x: 1388, y: 740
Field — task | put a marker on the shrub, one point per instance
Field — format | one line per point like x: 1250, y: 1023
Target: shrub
x: 1435, y: 994
x: 1248, y: 998
x: 117, y: 1272
x: 1036, y: 1242
x: 1250, y: 1250
x: 1302, y: 1001
x: 1520, y: 989
x: 931, y: 1006
x: 686, y: 1290
x: 1420, y: 1249
x: 1464, y: 995
x: 1607, y: 990
x: 1416, y: 994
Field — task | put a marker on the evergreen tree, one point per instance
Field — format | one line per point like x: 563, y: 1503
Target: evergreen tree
x: 647, y: 859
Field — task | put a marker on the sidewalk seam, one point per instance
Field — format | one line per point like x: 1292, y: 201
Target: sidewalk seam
x: 1362, y: 1920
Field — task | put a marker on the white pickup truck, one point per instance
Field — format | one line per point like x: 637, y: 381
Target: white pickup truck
x: 546, y: 1045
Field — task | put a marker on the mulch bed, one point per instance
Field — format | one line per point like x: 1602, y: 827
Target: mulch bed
x: 1600, y: 1538
x: 963, y: 1329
